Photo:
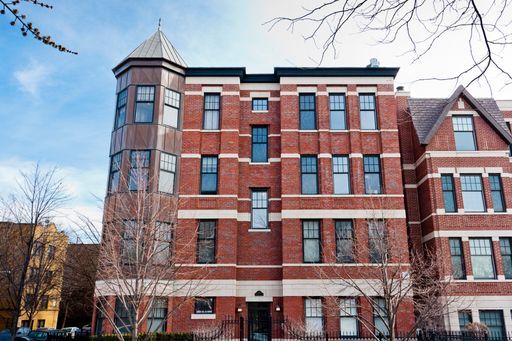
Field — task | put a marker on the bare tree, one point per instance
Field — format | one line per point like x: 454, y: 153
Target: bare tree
x: 143, y: 255
x: 483, y: 26
x: 387, y: 276
x: 27, y: 27
x: 25, y: 234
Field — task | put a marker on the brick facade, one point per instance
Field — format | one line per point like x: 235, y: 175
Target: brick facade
x: 267, y: 265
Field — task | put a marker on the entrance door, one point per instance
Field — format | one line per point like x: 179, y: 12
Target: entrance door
x: 259, y: 322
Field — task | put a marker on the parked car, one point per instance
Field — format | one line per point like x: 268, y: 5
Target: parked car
x: 22, y: 331
x: 86, y: 329
x: 36, y: 335
x: 70, y: 331
x: 5, y: 335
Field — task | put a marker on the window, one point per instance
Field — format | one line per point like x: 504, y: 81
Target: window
x: 498, y: 202
x: 163, y: 239
x: 344, y: 241
x: 206, y: 241
x: 43, y: 305
x: 482, y: 259
x: 259, y: 144
x: 372, y: 183
x: 171, y: 108
x: 50, y: 252
x: 380, y: 316
x: 158, y: 315
x: 458, y: 264
x: 40, y: 323
x: 493, y: 319
x: 450, y: 205
x: 259, y: 214
x: 204, y: 305
x: 506, y: 256
x: 209, y: 174
x: 307, y: 114
x: 464, y: 134
x: 115, y: 171
x: 37, y: 249
x: 121, y: 108
x: 144, y: 104
x: 129, y: 249
x: 211, y: 111
x: 311, y: 241
x: 313, y: 314
x: 337, y: 111
x: 309, y: 173
x: 367, y: 112
x: 260, y: 104
x: 348, y: 317
x: 465, y: 318
x: 472, y: 193
x: 376, y: 241
x: 341, y: 174
x: 167, y: 173
x: 139, y: 169
x: 122, y: 315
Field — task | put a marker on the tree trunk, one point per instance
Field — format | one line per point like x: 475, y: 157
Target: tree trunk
x: 65, y: 315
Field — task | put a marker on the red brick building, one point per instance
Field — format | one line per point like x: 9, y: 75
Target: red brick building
x: 272, y: 168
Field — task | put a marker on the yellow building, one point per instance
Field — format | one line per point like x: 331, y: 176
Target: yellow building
x: 41, y: 251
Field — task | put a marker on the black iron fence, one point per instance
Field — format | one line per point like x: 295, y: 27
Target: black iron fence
x: 283, y: 330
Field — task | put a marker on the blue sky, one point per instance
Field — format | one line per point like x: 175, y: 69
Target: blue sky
x: 58, y: 108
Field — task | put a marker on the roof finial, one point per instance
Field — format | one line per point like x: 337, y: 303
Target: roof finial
x: 159, y: 23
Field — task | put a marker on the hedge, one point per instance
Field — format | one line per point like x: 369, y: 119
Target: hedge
x: 151, y: 337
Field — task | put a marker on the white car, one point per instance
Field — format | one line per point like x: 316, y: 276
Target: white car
x: 22, y: 331
x: 70, y: 331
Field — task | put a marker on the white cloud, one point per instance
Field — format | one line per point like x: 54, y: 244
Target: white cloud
x: 32, y: 77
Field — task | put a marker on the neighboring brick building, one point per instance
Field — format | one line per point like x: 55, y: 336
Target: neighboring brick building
x: 269, y: 166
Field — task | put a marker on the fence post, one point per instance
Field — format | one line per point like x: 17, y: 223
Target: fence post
x: 241, y: 328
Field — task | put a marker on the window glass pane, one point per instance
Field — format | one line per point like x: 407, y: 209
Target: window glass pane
x: 144, y: 112
x: 465, y: 318
x: 497, y: 193
x: 344, y: 241
x: 209, y: 174
x: 341, y: 178
x: 493, y: 319
x: 372, y: 181
x: 464, y: 134
x: 307, y: 111
x: 367, y: 112
x: 309, y: 180
x: 448, y: 193
x: 314, y: 315
x: 376, y: 241
x: 311, y: 241
x: 122, y: 98
x: 380, y: 313
x: 206, y: 242
x: 211, y: 111
x: 348, y: 314
x: 167, y: 173
x: 259, y: 144
x: 506, y: 256
x: 204, y: 305
x: 472, y: 194
x: 170, y: 116
x: 482, y: 258
x: 337, y: 111
x: 172, y: 98
x: 115, y: 169
x: 139, y: 169
x: 259, y: 209
x: 260, y: 104
x: 158, y: 315
x: 458, y: 268
x: 145, y: 93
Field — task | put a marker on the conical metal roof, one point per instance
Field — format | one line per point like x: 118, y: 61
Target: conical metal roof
x: 158, y: 46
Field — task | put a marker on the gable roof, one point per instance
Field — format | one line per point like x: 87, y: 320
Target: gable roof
x: 157, y: 46
x: 429, y: 113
